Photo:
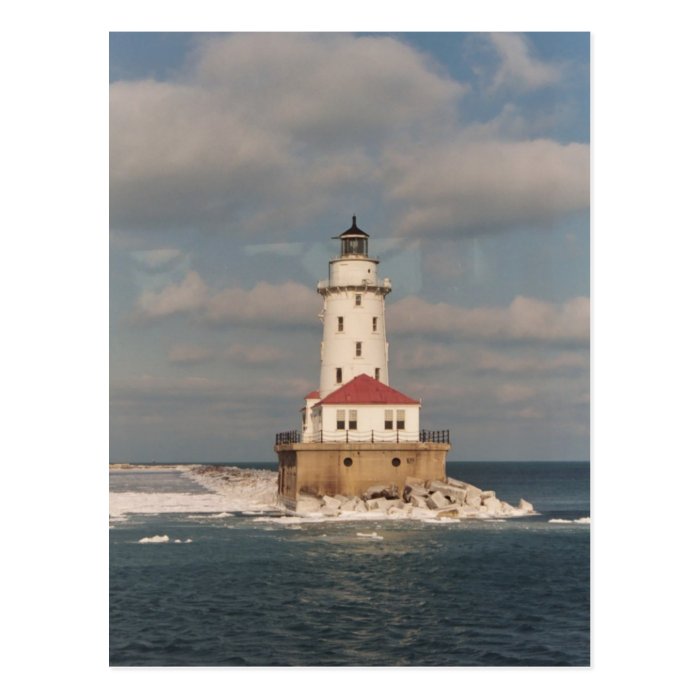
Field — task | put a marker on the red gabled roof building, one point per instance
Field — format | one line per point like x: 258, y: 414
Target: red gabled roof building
x: 363, y: 390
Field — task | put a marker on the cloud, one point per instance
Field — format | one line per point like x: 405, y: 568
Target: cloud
x: 514, y: 393
x: 519, y: 364
x: 258, y: 118
x: 288, y: 304
x: 254, y: 354
x: 189, y: 354
x: 157, y: 260
x: 519, y: 69
x: 189, y: 295
x: 425, y: 356
x: 281, y: 305
x: 524, y: 319
x: 461, y: 188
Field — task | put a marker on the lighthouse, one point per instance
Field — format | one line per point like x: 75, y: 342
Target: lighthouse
x: 357, y: 431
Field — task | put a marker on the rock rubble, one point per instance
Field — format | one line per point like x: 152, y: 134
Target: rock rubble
x: 434, y: 499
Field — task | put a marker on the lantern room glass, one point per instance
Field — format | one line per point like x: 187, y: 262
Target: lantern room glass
x: 353, y: 246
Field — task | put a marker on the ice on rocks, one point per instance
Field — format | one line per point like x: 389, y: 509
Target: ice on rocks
x: 436, y: 501
x: 418, y: 501
x: 525, y: 506
x: 385, y: 490
x: 455, y: 492
x: 379, y: 504
x: 492, y: 505
x: 331, y: 502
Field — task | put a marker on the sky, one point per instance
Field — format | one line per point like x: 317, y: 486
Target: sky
x: 235, y: 158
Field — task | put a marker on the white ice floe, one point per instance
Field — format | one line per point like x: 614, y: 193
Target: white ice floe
x: 156, y: 539
x: 187, y: 541
x: 563, y: 521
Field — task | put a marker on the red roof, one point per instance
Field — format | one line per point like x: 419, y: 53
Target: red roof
x: 313, y: 395
x: 363, y: 389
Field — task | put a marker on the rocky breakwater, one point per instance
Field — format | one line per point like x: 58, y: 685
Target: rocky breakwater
x: 418, y: 500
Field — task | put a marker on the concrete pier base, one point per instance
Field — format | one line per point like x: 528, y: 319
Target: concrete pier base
x: 349, y: 469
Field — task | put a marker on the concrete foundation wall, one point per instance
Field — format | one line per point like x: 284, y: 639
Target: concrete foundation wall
x: 320, y: 469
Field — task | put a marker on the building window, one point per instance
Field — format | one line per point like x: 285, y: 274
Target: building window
x: 358, y: 349
x: 340, y: 323
x: 395, y: 462
x: 374, y: 324
x: 376, y: 373
x: 388, y: 419
x: 338, y: 375
x: 340, y: 419
x: 352, y: 420
x: 347, y: 462
x: 358, y: 299
x: 400, y: 419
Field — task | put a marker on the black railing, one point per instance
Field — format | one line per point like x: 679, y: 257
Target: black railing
x: 434, y: 435
x: 287, y: 438
x: 293, y: 436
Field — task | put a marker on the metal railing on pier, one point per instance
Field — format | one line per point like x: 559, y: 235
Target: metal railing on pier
x: 372, y: 436
x: 287, y: 438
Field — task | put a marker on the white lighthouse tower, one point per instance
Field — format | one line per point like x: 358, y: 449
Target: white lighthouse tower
x: 356, y: 429
x: 354, y: 331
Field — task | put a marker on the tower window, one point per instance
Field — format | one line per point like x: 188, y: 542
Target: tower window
x: 400, y: 419
x: 340, y: 323
x: 352, y: 420
x: 374, y: 324
x: 376, y: 373
x: 358, y: 349
x: 358, y: 299
x: 388, y: 419
x: 340, y: 419
x: 338, y: 375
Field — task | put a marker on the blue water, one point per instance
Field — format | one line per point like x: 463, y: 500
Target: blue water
x: 471, y: 593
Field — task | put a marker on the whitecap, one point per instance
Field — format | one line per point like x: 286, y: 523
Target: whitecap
x: 369, y: 535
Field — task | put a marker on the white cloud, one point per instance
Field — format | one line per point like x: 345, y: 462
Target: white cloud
x: 462, y: 187
x: 283, y: 118
x: 287, y: 304
x: 531, y: 364
x: 254, y: 354
x: 189, y: 354
x: 425, y: 356
x: 189, y: 295
x: 514, y: 393
x: 157, y: 260
x: 523, y: 319
x: 519, y: 69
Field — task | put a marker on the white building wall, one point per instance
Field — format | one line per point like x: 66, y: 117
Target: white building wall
x: 370, y: 423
